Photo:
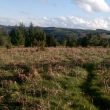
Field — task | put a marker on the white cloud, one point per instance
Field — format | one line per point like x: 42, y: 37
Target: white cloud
x: 65, y: 22
x: 93, y: 5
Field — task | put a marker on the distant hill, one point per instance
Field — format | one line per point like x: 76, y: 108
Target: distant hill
x: 61, y: 33
x: 78, y: 32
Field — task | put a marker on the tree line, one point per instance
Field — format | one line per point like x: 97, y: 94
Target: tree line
x: 35, y: 37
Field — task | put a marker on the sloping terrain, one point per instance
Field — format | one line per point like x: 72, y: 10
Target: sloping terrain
x: 55, y: 79
x: 61, y: 33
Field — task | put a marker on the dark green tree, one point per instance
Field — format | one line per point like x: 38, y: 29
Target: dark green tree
x: 29, y: 36
x: 84, y: 41
x: 14, y: 37
x: 17, y: 35
x: 3, y: 37
x: 39, y: 38
x: 94, y: 40
x: 71, y: 41
x: 4, y: 40
x: 51, y: 41
x: 35, y: 37
x: 21, y: 32
x: 105, y: 42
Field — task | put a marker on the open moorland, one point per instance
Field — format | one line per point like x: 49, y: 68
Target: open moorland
x: 55, y: 79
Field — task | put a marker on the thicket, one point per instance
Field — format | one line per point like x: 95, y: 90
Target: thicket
x: 35, y: 37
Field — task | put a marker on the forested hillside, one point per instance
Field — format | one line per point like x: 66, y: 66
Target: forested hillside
x: 50, y: 36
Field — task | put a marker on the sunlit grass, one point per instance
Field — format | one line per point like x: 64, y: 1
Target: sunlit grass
x: 54, y: 79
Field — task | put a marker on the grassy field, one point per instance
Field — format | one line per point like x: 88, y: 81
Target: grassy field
x: 55, y: 79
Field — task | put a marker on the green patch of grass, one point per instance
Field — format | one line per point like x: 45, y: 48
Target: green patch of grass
x: 54, y: 80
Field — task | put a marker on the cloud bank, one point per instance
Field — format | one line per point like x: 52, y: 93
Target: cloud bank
x: 93, y: 5
x: 65, y: 22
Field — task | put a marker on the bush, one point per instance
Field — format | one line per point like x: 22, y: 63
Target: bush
x: 3, y: 40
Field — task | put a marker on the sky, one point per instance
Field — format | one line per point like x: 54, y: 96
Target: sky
x: 83, y: 14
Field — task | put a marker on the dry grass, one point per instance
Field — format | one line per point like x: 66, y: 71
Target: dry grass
x: 54, y: 79
x: 32, y: 55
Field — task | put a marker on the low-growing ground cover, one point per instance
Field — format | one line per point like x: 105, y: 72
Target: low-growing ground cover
x: 55, y: 79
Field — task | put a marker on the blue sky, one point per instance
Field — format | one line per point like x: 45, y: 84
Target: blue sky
x: 38, y: 8
x: 59, y: 13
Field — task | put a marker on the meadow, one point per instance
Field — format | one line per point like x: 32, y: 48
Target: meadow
x: 55, y: 79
